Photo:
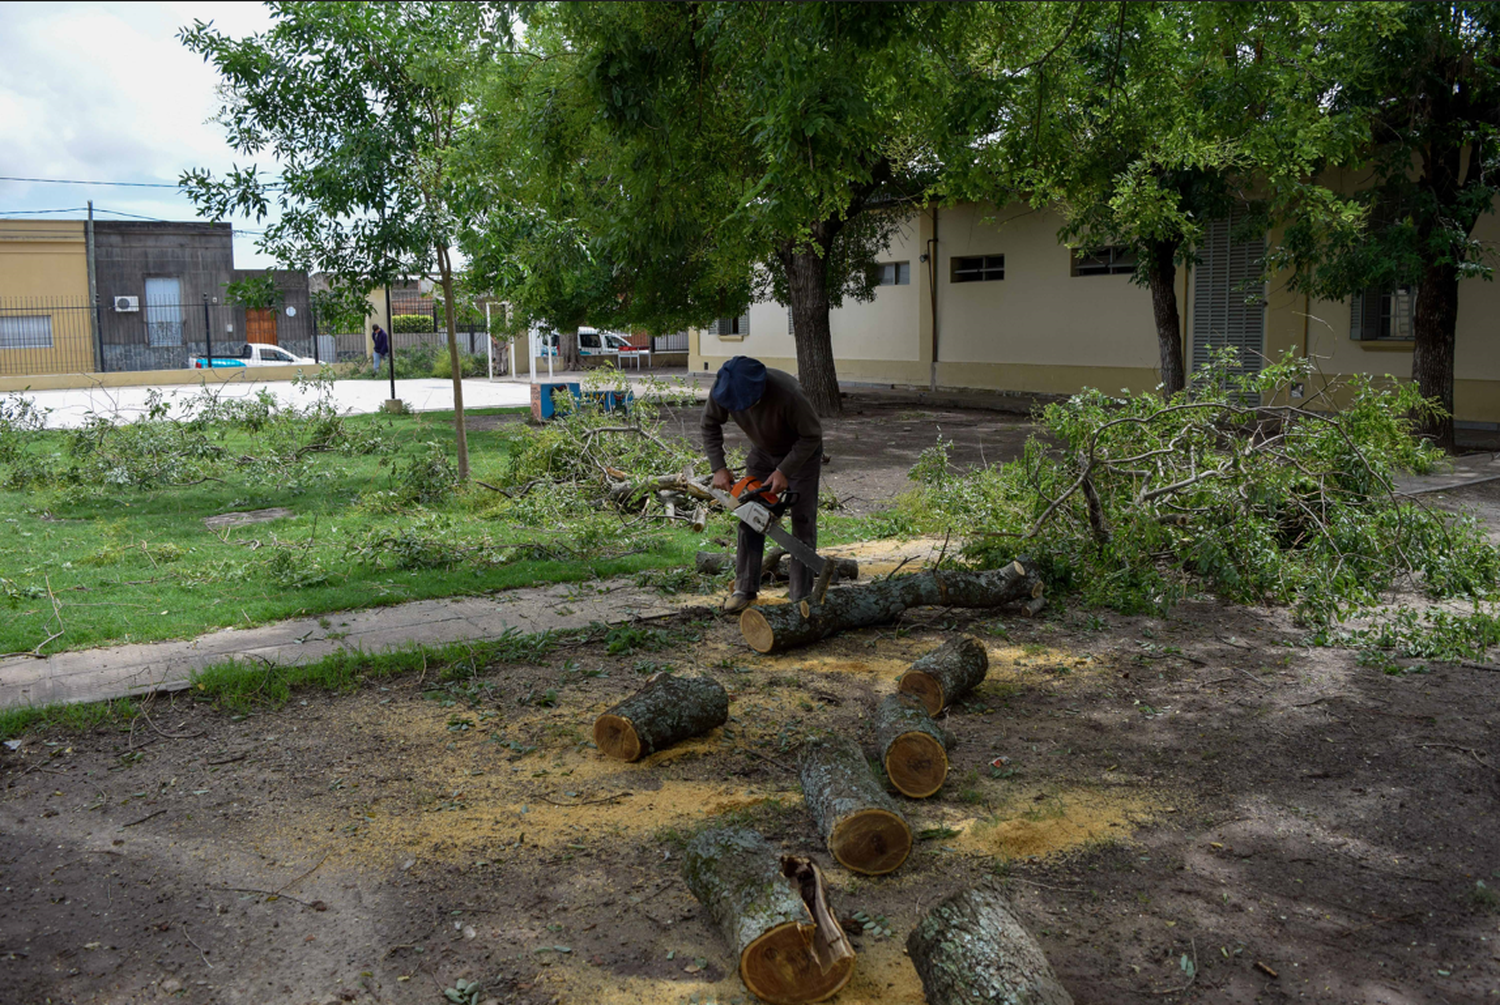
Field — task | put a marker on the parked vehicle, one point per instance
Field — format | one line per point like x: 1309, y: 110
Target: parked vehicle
x: 252, y: 354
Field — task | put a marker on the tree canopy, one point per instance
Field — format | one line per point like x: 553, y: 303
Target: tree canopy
x: 358, y: 106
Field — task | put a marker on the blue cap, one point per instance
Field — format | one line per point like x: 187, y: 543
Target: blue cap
x: 740, y: 384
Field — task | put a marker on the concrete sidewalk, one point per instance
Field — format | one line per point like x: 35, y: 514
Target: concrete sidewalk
x: 122, y: 671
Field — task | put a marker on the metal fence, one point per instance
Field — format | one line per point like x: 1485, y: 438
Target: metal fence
x: 47, y: 336
x: 59, y: 335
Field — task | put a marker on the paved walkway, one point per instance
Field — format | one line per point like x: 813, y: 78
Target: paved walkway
x: 68, y: 408
x: 122, y: 671
x: 1470, y: 469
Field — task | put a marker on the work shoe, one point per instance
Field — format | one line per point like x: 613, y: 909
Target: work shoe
x: 737, y: 602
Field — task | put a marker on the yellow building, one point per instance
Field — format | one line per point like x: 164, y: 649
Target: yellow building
x: 46, y: 318
x: 986, y: 298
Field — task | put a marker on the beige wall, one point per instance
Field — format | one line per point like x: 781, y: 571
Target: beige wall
x: 1041, y: 329
x: 45, y: 263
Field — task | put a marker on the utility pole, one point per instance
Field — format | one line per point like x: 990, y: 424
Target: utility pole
x: 93, y: 293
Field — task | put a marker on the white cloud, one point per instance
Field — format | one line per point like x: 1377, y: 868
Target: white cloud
x: 105, y: 91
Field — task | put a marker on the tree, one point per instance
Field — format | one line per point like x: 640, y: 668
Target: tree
x: 360, y: 106
x: 562, y: 227
x: 1420, y: 82
x: 1140, y: 122
x: 777, y: 134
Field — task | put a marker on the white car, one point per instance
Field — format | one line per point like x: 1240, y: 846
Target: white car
x: 252, y: 354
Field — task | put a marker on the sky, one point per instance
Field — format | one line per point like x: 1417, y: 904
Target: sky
x: 105, y: 92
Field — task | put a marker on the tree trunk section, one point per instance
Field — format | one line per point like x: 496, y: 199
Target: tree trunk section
x: 1434, y: 325
x: 666, y: 711
x: 861, y: 824
x: 460, y: 430
x: 946, y: 674
x: 780, y: 627
x: 806, y: 265
x: 970, y: 949
x: 913, y: 748
x: 711, y: 563
x: 1161, y: 274
x: 773, y: 912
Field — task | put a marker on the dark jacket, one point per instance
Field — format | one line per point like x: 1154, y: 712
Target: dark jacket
x: 382, y: 342
x: 782, y: 424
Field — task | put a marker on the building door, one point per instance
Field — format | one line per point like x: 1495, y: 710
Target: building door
x: 1229, y: 297
x: 260, y: 325
x: 164, y: 311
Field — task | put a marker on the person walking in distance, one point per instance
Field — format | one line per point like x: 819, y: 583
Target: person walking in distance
x: 382, y: 346
x: 786, y: 454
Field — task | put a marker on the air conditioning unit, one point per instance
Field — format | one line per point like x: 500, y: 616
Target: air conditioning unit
x: 127, y: 305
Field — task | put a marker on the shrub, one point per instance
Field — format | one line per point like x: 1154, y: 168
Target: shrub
x: 412, y: 324
x: 1135, y: 501
x: 473, y: 366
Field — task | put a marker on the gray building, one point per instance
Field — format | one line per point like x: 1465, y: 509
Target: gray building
x: 162, y: 296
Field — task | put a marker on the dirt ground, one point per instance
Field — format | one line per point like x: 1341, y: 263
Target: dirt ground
x: 1190, y: 809
x: 1148, y: 791
x: 874, y: 445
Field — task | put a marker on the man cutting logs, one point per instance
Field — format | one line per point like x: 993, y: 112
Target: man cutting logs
x: 786, y: 454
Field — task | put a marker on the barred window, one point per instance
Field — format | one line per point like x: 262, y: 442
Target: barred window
x: 979, y: 269
x: 739, y: 326
x: 26, y: 331
x: 1113, y: 260
x: 895, y: 274
x: 1378, y: 315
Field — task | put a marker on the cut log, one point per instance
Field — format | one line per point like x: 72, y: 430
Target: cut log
x: 785, y: 626
x: 774, y: 913
x: 862, y: 825
x: 667, y: 710
x: 946, y: 674
x: 970, y: 949
x: 913, y: 748
x: 711, y: 563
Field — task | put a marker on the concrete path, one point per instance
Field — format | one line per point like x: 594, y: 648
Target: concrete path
x: 68, y: 408
x: 122, y: 671
x: 1456, y: 472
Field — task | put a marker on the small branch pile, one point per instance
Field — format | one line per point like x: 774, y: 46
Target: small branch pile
x: 1133, y: 501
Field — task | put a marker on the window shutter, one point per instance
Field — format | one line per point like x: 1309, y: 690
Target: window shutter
x: 1228, y: 302
x: 1364, y: 315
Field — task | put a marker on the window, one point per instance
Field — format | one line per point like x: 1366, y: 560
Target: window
x: 164, y: 311
x: 588, y: 340
x: 1111, y: 261
x: 981, y: 269
x: 895, y: 274
x: 26, y: 332
x: 275, y: 355
x: 731, y: 327
x: 1379, y: 316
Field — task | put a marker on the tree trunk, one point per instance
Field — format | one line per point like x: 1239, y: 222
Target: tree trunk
x: 806, y: 265
x: 772, y: 629
x: 946, y: 674
x: 460, y: 431
x: 567, y: 349
x: 776, y: 567
x: 1434, y: 324
x: 970, y: 948
x: 1161, y: 272
x: 667, y: 710
x: 774, y: 914
x: 864, y: 829
x: 913, y: 748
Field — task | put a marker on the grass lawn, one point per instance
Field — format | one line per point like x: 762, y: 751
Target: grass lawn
x: 103, y: 539
x: 106, y: 564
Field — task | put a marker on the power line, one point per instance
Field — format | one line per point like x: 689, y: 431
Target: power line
x: 123, y: 184
x: 19, y: 212
x: 74, y: 181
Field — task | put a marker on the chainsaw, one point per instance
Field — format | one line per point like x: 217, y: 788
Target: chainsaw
x: 760, y: 509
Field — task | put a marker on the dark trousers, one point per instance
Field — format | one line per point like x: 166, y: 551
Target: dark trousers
x: 804, y: 519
